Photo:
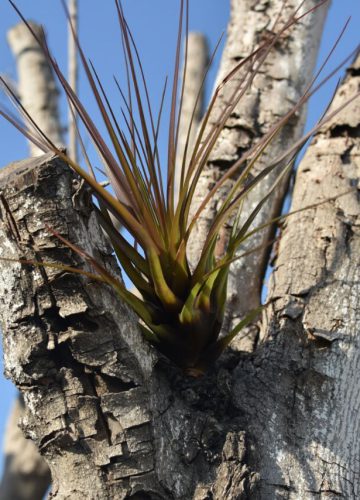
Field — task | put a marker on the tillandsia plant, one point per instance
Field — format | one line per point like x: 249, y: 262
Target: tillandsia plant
x: 181, y: 309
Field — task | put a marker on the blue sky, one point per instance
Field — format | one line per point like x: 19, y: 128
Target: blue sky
x: 154, y: 25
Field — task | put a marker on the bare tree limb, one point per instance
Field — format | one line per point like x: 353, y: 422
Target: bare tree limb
x: 79, y: 356
x: 197, y: 60
x: 302, y: 387
x: 36, y: 86
x: 283, y: 78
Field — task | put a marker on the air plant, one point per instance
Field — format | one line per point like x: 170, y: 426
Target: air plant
x: 181, y: 309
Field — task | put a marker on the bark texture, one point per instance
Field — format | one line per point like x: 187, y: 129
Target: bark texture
x: 37, y: 89
x: 111, y: 419
x: 26, y: 475
x: 48, y: 312
x: 280, y: 83
x: 300, y: 394
x: 115, y: 420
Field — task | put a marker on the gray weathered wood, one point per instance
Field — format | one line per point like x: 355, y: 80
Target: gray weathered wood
x: 110, y: 418
x: 300, y: 393
x: 25, y: 474
x: 115, y: 420
x: 73, y: 77
x: 64, y: 337
x: 280, y: 83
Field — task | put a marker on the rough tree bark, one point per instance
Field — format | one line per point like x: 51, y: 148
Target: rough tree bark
x: 114, y: 420
x: 52, y: 308
x: 26, y: 476
x: 300, y: 393
x: 281, y: 81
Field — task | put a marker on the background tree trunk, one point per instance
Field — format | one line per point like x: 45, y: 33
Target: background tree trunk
x: 114, y: 420
x: 26, y: 475
x: 193, y: 98
x: 37, y: 89
x: 73, y: 77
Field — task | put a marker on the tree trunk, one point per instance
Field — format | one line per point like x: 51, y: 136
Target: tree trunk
x: 193, y: 98
x: 300, y: 394
x: 115, y: 420
x: 278, y: 86
x: 37, y: 89
x: 83, y: 388
x: 26, y: 475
